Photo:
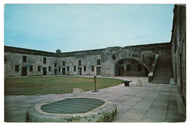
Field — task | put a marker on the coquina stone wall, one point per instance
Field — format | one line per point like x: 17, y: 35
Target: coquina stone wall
x: 102, y: 62
x: 34, y: 64
x: 178, y: 51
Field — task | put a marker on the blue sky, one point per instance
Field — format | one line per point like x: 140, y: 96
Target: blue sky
x: 74, y: 27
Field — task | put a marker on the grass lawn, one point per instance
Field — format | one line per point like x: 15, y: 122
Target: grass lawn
x: 54, y: 85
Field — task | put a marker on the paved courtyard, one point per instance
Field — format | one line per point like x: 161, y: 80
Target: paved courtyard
x: 150, y: 103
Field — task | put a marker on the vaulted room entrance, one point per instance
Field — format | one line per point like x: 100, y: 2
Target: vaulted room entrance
x: 79, y: 70
x: 63, y: 71
x: 44, y: 71
x: 24, y: 71
x: 130, y: 67
x: 98, y: 70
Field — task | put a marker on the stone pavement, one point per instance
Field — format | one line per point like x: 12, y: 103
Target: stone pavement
x: 150, y: 103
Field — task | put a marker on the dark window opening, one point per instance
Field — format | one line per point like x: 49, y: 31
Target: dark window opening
x: 74, y: 68
x: 113, y: 57
x: 98, y: 62
x: 49, y: 68
x: 24, y: 58
x: 44, y: 60
x: 63, y: 63
x: 39, y: 68
x: 92, y: 68
x: 79, y: 62
x: 16, y: 68
x: 59, y: 69
x: 31, y: 68
x: 84, y: 68
x: 67, y: 68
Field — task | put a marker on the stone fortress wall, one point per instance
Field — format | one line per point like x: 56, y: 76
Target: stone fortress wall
x: 178, y: 51
x: 111, y: 61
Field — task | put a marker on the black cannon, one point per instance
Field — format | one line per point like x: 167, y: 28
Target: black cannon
x: 126, y: 82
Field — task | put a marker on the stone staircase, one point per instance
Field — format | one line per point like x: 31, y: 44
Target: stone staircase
x: 163, y: 73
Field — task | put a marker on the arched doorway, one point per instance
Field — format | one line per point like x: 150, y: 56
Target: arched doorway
x: 130, y: 67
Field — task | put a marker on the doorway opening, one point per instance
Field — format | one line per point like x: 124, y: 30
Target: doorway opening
x: 24, y: 71
x: 55, y: 71
x: 63, y: 71
x: 44, y: 71
x: 98, y: 70
x: 79, y: 70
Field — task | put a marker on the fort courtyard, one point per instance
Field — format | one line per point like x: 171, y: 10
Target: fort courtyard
x: 150, y: 103
x: 133, y: 83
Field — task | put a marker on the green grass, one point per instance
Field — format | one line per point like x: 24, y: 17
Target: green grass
x: 54, y: 85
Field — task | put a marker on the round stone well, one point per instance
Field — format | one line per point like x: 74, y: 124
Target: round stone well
x: 73, y: 110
